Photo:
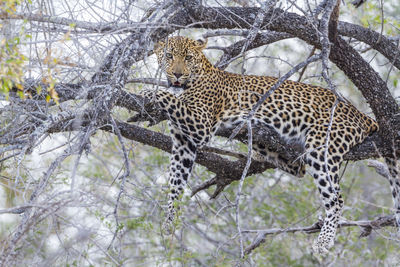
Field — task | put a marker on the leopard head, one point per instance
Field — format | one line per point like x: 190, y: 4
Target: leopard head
x: 181, y: 59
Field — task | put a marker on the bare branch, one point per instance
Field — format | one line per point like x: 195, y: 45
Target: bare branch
x: 366, y: 228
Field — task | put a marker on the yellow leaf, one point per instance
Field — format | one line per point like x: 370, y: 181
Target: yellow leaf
x: 39, y: 89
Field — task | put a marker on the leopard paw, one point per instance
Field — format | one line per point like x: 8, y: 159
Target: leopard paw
x: 148, y: 93
x: 323, y: 244
x: 167, y: 227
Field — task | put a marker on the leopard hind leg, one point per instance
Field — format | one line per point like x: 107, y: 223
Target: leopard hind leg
x: 326, y: 178
x: 394, y: 180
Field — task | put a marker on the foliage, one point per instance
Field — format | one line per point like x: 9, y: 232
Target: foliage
x: 11, y: 59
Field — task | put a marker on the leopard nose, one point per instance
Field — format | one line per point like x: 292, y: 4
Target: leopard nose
x: 177, y: 75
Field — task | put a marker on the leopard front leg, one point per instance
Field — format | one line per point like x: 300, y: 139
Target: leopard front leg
x: 394, y: 180
x: 190, y: 128
x: 183, y: 155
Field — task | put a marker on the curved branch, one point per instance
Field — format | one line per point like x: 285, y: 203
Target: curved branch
x: 386, y: 47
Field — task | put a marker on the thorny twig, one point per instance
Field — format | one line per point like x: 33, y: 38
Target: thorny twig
x: 125, y: 175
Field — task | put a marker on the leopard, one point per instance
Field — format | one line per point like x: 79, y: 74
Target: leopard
x: 205, y: 98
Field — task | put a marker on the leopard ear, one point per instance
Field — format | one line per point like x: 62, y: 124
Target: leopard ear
x: 200, y: 44
x: 158, y: 46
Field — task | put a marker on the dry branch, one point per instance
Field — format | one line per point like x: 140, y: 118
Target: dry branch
x: 366, y: 229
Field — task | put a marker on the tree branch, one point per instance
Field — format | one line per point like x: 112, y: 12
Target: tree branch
x: 366, y: 229
x: 386, y: 47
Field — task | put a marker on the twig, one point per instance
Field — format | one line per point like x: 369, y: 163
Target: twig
x: 126, y: 174
x: 239, y: 193
x: 18, y: 210
x: 305, y: 67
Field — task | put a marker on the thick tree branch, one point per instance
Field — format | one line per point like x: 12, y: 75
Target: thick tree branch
x: 333, y: 22
x: 228, y: 171
x: 225, y: 170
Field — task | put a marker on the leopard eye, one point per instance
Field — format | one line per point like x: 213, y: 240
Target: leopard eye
x: 188, y: 57
x: 168, y: 55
